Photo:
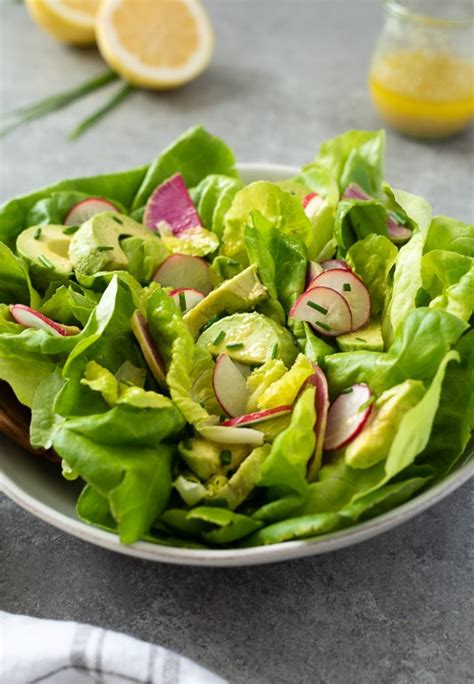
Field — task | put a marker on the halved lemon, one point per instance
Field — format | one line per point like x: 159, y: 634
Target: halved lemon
x: 155, y: 43
x: 70, y: 21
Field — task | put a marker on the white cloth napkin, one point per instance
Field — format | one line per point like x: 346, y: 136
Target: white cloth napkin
x: 53, y: 652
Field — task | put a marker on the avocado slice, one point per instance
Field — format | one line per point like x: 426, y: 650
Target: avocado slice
x: 240, y: 293
x: 241, y: 484
x: 372, y: 445
x: 96, y: 245
x: 250, y: 338
x: 368, y: 338
x: 46, y: 248
x: 206, y: 458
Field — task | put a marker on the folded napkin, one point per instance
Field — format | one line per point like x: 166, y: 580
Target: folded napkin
x: 54, y: 652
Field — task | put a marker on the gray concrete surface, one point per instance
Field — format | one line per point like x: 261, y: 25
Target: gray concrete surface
x: 396, y: 609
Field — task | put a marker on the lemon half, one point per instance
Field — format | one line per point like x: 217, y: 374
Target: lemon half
x: 70, y: 21
x: 155, y: 43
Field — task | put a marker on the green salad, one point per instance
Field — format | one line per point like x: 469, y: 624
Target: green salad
x: 223, y: 364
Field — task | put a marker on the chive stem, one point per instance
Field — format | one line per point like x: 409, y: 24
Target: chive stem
x: 96, y: 116
x: 219, y: 338
x: 317, y: 307
x: 235, y: 345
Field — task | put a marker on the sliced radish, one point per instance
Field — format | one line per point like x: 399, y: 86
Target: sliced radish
x: 185, y: 298
x: 318, y: 379
x: 307, y: 198
x: 184, y: 271
x: 396, y: 231
x: 258, y: 416
x: 313, y: 205
x: 229, y: 386
x: 347, y: 416
x: 314, y: 269
x: 352, y: 289
x: 354, y: 191
x: 330, y: 264
x: 84, y: 210
x: 148, y: 347
x: 323, y: 308
x: 172, y: 203
x: 30, y: 318
x: 232, y: 435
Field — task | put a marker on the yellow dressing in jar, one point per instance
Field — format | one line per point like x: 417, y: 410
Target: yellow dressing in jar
x: 424, y: 94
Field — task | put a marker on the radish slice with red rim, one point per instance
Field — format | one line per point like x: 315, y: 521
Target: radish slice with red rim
x: 318, y: 379
x: 85, y: 209
x: 184, y: 271
x: 229, y: 386
x: 347, y: 416
x: 258, y: 416
x: 149, y: 349
x: 324, y: 309
x: 312, y: 272
x: 314, y: 204
x: 171, y: 202
x: 185, y: 298
x: 307, y: 198
x: 352, y: 289
x: 330, y: 264
x: 30, y: 318
x: 354, y: 191
x: 396, y: 231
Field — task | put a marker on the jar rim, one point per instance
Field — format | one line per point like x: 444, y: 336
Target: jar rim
x: 399, y: 8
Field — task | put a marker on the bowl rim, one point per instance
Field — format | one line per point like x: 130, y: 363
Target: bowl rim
x: 281, y: 551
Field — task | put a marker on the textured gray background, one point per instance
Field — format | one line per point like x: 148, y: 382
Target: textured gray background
x: 396, y: 609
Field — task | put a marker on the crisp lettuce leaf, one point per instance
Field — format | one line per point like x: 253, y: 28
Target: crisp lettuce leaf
x: 67, y: 305
x: 372, y: 259
x: 356, y: 219
x: 195, y: 155
x: 448, y: 277
x: 284, y: 390
x: 262, y: 379
x: 282, y: 210
x: 144, y: 256
x: 195, y: 241
x: 450, y: 235
x: 15, y: 281
x: 53, y: 209
x: 281, y: 259
x: 284, y: 470
x: 227, y: 526
x: 213, y: 197
x: 176, y: 345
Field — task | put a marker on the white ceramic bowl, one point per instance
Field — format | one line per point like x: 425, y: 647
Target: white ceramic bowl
x: 38, y: 486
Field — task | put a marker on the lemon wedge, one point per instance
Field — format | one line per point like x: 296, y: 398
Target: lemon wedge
x: 155, y: 43
x: 70, y: 21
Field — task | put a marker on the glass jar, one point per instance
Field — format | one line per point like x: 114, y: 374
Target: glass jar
x: 422, y: 74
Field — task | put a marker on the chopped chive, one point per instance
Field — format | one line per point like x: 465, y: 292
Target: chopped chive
x: 275, y: 351
x: 225, y: 457
x: 317, y: 307
x: 37, y: 234
x: 399, y: 218
x: 360, y: 339
x: 219, y: 338
x: 322, y: 325
x: 223, y: 417
x: 366, y: 404
x: 235, y: 345
x: 70, y: 230
x: 104, y: 248
x: 221, y: 269
x: 117, y: 220
x: 211, y: 321
x: 46, y: 262
x: 182, y: 302
x: 346, y: 287
x: 348, y: 390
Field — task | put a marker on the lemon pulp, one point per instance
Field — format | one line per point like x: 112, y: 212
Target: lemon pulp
x: 426, y: 94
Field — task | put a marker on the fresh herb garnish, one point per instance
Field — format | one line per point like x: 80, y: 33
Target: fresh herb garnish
x: 219, y: 338
x: 235, y: 345
x: 117, y: 220
x: 70, y: 230
x: 37, y: 234
x: 275, y: 351
x: 317, y: 307
x: 211, y: 321
x: 360, y: 339
x: 348, y: 390
x: 182, y: 301
x: 46, y: 262
x: 399, y: 218
x: 89, y: 121
x: 346, y: 287
x: 104, y: 248
x: 225, y: 457
x: 322, y: 325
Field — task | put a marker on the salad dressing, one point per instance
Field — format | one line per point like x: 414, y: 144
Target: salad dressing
x: 425, y: 94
